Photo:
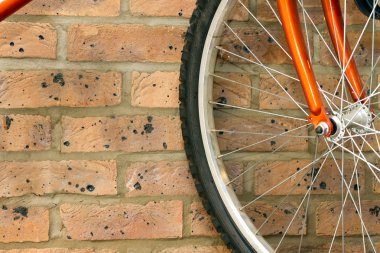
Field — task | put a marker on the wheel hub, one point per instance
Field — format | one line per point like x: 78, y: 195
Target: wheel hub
x: 357, y: 118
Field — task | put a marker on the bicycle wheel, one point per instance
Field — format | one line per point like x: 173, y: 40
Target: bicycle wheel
x: 268, y: 181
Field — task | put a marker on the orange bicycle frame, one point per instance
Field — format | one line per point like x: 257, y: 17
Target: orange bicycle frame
x: 293, y: 33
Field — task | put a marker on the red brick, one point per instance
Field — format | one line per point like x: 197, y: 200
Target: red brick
x: 72, y: 8
x: 196, y: 249
x: 314, y: 10
x: 22, y: 224
x: 45, y: 177
x: 234, y: 171
x: 280, y: 219
x: 276, y: 125
x: 318, y: 248
x: 162, y: 8
x: 258, y: 41
x: 157, y: 89
x: 27, y: 40
x: 238, y: 94
x: 269, y: 174
x: 327, y: 215
x: 123, y: 221
x: 200, y: 221
x: 159, y: 178
x: 25, y: 133
x: 58, y: 250
x: 136, y: 43
x: 122, y: 133
x: 363, y: 52
x: 44, y: 88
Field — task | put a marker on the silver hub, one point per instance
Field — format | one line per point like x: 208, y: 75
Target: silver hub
x: 357, y: 118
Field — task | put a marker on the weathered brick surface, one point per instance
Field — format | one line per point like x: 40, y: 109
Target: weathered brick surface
x: 72, y: 8
x: 158, y: 89
x: 238, y: 93
x: 159, y: 178
x: 313, y: 9
x: 28, y: 40
x: 327, y: 215
x: 258, y: 41
x: 24, y: 224
x: 124, y: 221
x: 196, y: 248
x: 129, y: 134
x: 123, y: 57
x: 232, y: 140
x: 24, y: 133
x: 200, y: 221
x: 136, y: 43
x: 264, y: 13
x: 182, y: 8
x: 163, y: 8
x: 235, y: 173
x: 44, y: 88
x: 273, y: 96
x: 363, y: 52
x: 277, y: 219
x: 58, y: 250
x: 328, y: 181
x: 317, y: 248
x: 44, y: 177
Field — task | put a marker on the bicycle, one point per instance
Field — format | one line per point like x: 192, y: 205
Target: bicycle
x: 279, y: 168
x: 242, y: 124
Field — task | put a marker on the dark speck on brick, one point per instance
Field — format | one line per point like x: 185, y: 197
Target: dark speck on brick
x: 4, y: 207
x: 90, y: 188
x: 323, y: 185
x: 66, y: 143
x: 165, y: 145
x: 137, y: 186
x: 21, y: 210
x: 58, y: 78
x: 148, y: 128
x: 374, y: 211
x: 106, y: 146
x: 40, y: 37
x: 82, y: 189
x: 150, y: 118
x: 123, y: 138
x: 8, y: 122
x: 44, y: 85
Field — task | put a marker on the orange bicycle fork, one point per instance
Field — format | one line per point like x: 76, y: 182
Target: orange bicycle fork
x: 8, y: 7
x: 293, y: 33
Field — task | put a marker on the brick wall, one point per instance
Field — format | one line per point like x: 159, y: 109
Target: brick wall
x: 91, y: 154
